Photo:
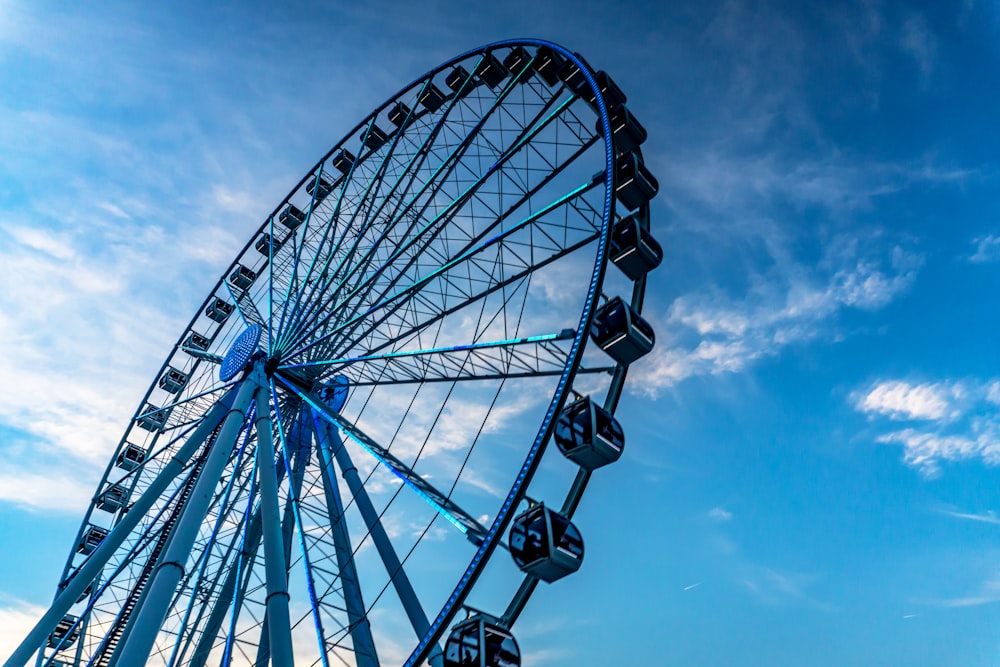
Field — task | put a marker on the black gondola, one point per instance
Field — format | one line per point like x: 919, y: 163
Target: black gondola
x: 91, y: 539
x: 589, y: 435
x: 545, y: 544
x: 219, y: 310
x: 517, y: 60
x: 432, y: 98
x: 242, y: 277
x: 621, y: 332
x: 628, y: 133
x: 113, y: 499
x: 375, y: 137
x: 574, y: 78
x: 636, y: 186
x: 196, y: 341
x: 456, y: 80
x: 398, y: 114
x: 153, y: 418
x: 491, y: 71
x: 131, y: 457
x: 343, y: 160
x: 66, y: 632
x: 548, y: 63
x: 173, y: 380
x: 263, y: 244
x: 633, y: 248
x: 291, y: 217
x: 612, y: 94
x: 322, y: 187
x: 481, y: 642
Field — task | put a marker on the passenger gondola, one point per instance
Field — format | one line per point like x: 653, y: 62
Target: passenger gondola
x: 621, y: 332
x: 491, y: 71
x: 263, y: 244
x: 242, y: 277
x: 432, y: 98
x: 65, y: 633
x: 375, y: 137
x: 636, y: 185
x: 456, y: 80
x: 480, y: 641
x: 628, y: 132
x: 196, y: 341
x: 343, y: 161
x: 131, y: 457
x: 219, y: 310
x: 321, y: 186
x: 172, y: 380
x: 589, y: 435
x: 548, y: 63
x: 91, y: 539
x: 113, y: 499
x: 545, y: 544
x: 291, y: 217
x: 633, y: 248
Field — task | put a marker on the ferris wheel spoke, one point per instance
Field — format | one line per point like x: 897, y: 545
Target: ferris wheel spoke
x: 375, y: 180
x: 430, y: 188
x: 332, y: 448
x: 443, y: 505
x: 531, y: 356
x: 532, y: 128
x: 411, y: 168
x: 471, y: 293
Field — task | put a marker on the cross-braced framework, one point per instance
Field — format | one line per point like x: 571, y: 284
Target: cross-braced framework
x: 336, y: 446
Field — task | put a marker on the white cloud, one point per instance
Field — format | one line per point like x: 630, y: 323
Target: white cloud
x: 902, y: 400
x: 957, y: 420
x: 712, y: 334
x: 990, y: 517
x: 987, y: 249
x: 17, y: 618
x: 918, y: 42
x: 720, y: 514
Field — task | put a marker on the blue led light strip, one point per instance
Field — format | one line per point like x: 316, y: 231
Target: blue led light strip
x: 441, y: 504
x: 347, y: 361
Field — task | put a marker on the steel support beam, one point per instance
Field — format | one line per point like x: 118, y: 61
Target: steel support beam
x: 136, y: 649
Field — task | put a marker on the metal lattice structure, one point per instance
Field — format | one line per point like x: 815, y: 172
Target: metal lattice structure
x: 337, y: 444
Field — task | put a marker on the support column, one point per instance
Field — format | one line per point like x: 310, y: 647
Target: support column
x: 135, y: 651
x: 279, y: 626
x: 407, y: 596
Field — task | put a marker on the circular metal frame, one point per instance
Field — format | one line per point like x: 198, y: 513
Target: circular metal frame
x: 296, y: 365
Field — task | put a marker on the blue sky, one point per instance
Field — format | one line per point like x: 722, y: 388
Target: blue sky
x: 812, y: 446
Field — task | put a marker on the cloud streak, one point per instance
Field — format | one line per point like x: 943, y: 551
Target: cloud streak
x: 945, y: 421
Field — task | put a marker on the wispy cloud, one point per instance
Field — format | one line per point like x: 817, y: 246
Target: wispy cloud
x: 17, y: 617
x: 713, y: 333
x: 950, y: 420
x: 990, y: 517
x: 778, y: 587
x: 720, y: 514
x: 987, y: 249
x: 897, y: 399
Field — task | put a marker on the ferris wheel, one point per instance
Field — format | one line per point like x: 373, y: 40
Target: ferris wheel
x: 345, y: 458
